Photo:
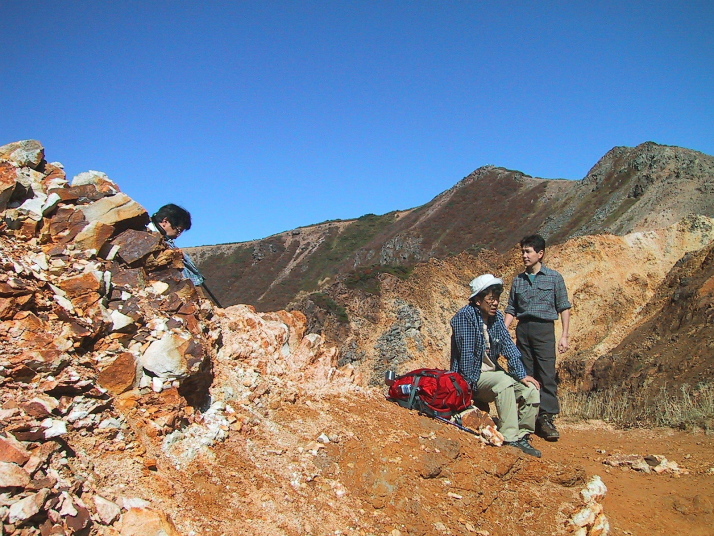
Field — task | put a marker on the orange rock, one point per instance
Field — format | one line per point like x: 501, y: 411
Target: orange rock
x: 10, y: 306
x: 147, y: 522
x: 475, y: 419
x: 8, y: 181
x: 81, y: 284
x: 129, y: 400
x: 12, y: 451
x: 120, y: 375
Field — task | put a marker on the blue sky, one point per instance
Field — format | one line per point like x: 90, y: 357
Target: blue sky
x: 260, y: 117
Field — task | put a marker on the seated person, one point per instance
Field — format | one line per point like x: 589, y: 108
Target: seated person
x: 479, y: 337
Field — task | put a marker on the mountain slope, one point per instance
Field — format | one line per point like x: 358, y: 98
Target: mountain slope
x: 629, y: 189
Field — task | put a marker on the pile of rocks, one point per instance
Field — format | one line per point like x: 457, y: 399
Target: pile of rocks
x: 100, y: 338
x: 106, y: 350
x: 590, y: 520
x: 652, y: 463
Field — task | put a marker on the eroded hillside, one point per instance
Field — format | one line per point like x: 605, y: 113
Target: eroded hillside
x: 629, y: 190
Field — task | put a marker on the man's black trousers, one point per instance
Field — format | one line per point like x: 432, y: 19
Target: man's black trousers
x: 536, y: 341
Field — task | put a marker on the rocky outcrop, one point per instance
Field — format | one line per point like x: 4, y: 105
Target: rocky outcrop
x: 109, y: 359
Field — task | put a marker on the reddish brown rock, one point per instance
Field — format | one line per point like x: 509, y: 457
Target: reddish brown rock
x: 10, y: 306
x: 13, y: 476
x: 66, y: 224
x: 28, y: 229
x: 85, y: 283
x: 98, y: 180
x: 128, y: 277
x: 120, y: 375
x: 29, y: 506
x: 476, y: 419
x: 39, y: 407
x: 166, y: 259
x: 40, y: 456
x: 49, y: 360
x: 12, y: 451
x: 8, y: 181
x: 79, y: 519
x: 54, y: 172
x: 135, y: 245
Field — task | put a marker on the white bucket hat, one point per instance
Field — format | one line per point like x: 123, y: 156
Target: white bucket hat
x: 483, y: 282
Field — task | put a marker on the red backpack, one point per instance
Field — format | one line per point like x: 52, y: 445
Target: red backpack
x: 431, y: 391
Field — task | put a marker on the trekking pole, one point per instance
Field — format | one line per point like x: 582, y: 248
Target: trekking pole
x: 210, y: 294
x: 459, y: 426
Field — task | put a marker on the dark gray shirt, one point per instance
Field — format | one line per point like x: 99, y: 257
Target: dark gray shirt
x: 543, y: 299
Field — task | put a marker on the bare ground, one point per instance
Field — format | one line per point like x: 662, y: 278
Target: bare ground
x: 388, y: 471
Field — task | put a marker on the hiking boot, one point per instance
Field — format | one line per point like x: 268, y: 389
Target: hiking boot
x: 545, y: 427
x: 524, y: 444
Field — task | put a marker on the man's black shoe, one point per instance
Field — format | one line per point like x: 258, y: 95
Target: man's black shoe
x: 545, y: 428
x: 525, y: 445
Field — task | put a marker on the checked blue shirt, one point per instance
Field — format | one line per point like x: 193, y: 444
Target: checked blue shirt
x: 544, y: 299
x: 468, y: 342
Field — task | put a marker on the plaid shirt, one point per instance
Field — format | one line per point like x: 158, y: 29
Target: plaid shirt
x: 545, y: 299
x: 468, y: 343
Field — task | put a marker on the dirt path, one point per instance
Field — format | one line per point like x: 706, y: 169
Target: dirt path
x: 644, y: 504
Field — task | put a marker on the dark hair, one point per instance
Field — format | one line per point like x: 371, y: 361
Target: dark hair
x: 536, y: 241
x: 177, y: 216
x: 495, y: 289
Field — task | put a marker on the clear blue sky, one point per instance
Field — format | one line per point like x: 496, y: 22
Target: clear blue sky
x: 260, y: 117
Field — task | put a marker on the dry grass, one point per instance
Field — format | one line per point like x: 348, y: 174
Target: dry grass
x: 681, y: 407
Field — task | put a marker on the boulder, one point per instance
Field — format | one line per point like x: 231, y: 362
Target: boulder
x: 85, y: 283
x: 26, y: 153
x: 13, y: 451
x: 107, y: 511
x: 120, y: 375
x: 94, y: 236
x: 8, y: 181
x: 29, y: 506
x: 119, y: 210
x: 135, y: 245
x: 13, y: 476
x: 167, y: 357
x: 98, y: 179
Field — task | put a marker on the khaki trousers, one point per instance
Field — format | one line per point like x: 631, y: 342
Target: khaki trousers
x: 517, y: 404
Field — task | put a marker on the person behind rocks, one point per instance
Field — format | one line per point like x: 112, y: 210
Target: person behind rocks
x: 537, y: 297
x: 171, y: 221
x: 479, y: 337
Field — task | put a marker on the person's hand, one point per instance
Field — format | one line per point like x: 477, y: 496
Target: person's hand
x: 532, y: 381
x: 564, y: 344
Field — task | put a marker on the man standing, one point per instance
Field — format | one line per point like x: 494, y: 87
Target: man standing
x: 479, y: 337
x: 537, y: 297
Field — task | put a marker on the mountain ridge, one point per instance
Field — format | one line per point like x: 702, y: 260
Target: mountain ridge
x: 629, y: 189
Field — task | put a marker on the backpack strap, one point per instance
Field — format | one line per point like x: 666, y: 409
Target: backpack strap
x: 415, y: 389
